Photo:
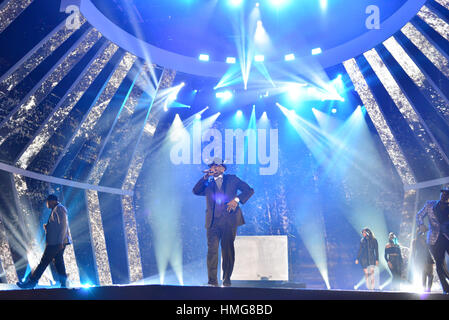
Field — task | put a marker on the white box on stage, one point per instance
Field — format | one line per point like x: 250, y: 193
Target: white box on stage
x: 261, y: 258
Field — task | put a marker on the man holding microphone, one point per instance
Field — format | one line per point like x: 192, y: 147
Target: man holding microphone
x: 223, y: 216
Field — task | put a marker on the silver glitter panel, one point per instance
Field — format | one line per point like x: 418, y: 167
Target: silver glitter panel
x: 98, y: 238
x: 6, y: 258
x: 71, y: 266
x: 66, y: 105
x: 385, y: 134
x: 407, y: 226
x: 405, y: 107
x: 427, y: 48
x: 15, y: 99
x: 168, y: 76
x: 132, y: 240
x: 14, y: 124
x: 134, y: 262
x: 433, y: 20
x: 119, y: 130
x: 444, y: 3
x: 37, y: 56
x: 105, y: 97
x: 418, y: 77
x: 29, y: 223
x: 156, y: 112
x: 11, y: 11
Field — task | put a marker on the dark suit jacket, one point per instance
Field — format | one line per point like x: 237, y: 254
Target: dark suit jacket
x: 231, y: 185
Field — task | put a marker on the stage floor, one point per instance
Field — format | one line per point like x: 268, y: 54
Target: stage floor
x: 186, y: 293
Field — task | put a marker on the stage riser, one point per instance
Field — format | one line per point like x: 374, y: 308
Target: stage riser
x: 157, y: 292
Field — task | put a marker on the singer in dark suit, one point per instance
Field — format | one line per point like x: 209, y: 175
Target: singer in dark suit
x: 223, y: 216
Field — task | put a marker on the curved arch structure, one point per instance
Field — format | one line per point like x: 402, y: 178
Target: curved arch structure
x: 191, y: 65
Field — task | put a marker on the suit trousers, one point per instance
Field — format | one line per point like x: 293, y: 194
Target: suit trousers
x: 222, y: 232
x: 55, y: 254
x: 438, y: 251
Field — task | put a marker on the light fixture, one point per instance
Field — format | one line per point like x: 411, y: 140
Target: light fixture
x: 259, y: 58
x: 204, y: 57
x: 316, y: 51
x: 289, y: 57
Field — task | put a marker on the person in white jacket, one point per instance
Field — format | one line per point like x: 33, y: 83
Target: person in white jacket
x: 57, y: 237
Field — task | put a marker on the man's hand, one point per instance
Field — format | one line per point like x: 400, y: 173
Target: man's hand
x: 422, y: 229
x: 208, y: 173
x: 232, y: 205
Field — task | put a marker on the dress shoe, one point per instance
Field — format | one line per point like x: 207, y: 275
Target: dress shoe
x: 29, y: 284
x: 226, y: 283
x: 212, y: 284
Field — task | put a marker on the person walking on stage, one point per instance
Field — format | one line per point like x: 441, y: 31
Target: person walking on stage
x: 393, y: 256
x: 57, y: 237
x: 437, y: 211
x: 223, y: 216
x: 368, y: 257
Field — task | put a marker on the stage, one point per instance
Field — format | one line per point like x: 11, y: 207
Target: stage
x: 147, y: 134
x: 205, y: 293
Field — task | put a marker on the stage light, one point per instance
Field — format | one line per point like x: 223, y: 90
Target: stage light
x: 224, y: 95
x: 235, y: 3
x: 334, y: 110
x: 259, y: 58
x: 261, y: 37
x: 177, y: 130
x: 316, y: 51
x: 86, y: 286
x: 289, y: 57
x: 204, y: 57
x: 278, y: 3
x: 231, y: 60
x: 294, y: 90
x: 239, y: 113
x: 173, y: 96
x: 323, y: 4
